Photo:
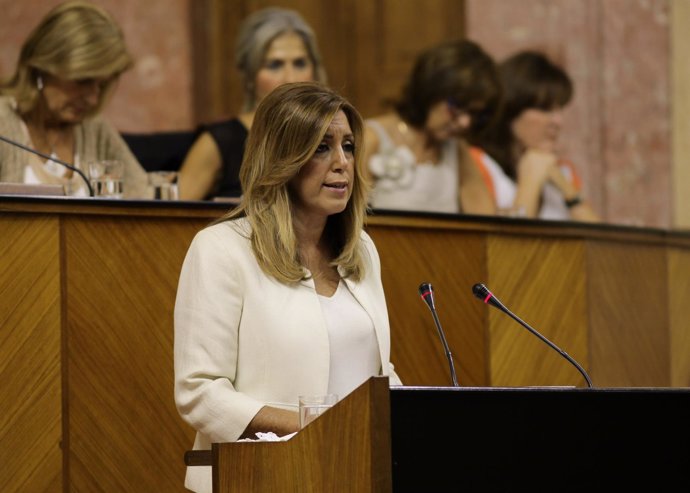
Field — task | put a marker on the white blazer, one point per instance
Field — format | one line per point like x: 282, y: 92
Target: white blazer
x: 244, y: 340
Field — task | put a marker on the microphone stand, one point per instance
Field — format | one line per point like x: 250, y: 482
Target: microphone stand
x: 483, y: 293
x: 427, y: 294
x: 51, y: 158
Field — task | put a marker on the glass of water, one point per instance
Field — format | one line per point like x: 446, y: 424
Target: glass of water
x: 312, y: 406
x: 163, y: 185
x: 106, y: 177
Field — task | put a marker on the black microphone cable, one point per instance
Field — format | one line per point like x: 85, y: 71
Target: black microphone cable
x: 51, y: 158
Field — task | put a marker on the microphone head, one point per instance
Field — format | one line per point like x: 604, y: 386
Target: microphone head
x: 483, y: 293
x: 480, y: 291
x: 426, y: 291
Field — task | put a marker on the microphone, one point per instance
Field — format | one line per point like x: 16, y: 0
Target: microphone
x: 51, y: 158
x: 483, y: 293
x: 427, y: 294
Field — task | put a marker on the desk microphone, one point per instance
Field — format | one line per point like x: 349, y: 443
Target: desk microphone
x: 51, y: 158
x: 427, y: 294
x: 483, y: 293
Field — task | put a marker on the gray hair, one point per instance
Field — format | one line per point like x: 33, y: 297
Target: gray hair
x: 257, y: 32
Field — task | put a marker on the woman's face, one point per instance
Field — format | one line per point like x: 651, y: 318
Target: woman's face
x: 538, y: 129
x: 324, y: 185
x: 70, y: 101
x: 286, y: 60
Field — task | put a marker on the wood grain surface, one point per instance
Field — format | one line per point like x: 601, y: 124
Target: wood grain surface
x: 87, y: 291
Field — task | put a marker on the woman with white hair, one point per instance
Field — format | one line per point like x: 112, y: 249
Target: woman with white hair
x: 274, y: 46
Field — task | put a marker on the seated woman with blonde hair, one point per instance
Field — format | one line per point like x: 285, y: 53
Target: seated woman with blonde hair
x: 67, y: 68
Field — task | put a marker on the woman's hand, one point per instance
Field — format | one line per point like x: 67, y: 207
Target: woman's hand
x: 534, y: 169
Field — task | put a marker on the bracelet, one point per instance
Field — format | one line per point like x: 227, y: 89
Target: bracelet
x: 570, y: 203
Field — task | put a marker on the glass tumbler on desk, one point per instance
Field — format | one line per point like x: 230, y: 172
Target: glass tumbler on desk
x: 163, y: 185
x: 312, y: 406
x: 106, y: 177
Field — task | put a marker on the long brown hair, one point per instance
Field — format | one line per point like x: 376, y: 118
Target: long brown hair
x: 529, y: 80
x: 457, y: 70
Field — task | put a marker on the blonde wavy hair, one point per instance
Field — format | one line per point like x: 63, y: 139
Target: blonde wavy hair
x: 75, y: 40
x: 289, y: 125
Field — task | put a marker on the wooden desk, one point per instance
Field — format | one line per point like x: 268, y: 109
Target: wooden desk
x: 87, y: 290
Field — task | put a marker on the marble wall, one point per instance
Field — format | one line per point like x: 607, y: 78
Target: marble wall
x: 617, y: 128
x: 156, y: 94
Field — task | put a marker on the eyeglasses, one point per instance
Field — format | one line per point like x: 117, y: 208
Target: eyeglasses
x: 479, y: 115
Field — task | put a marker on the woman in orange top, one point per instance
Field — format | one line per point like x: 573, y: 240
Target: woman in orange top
x: 519, y: 155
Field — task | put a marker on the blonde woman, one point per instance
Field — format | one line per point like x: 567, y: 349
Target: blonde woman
x: 67, y: 68
x: 283, y: 295
x: 274, y: 46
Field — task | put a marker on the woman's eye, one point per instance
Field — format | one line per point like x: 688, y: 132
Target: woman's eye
x: 349, y: 147
x: 322, y: 148
x: 300, y: 63
x: 274, y: 64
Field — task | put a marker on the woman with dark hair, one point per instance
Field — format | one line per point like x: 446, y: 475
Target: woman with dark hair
x: 283, y: 295
x: 518, y: 154
x: 417, y: 155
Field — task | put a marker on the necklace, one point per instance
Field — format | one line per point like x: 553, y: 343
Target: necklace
x: 423, y: 153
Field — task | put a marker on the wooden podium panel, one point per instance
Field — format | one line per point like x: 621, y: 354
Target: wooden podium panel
x: 87, y: 290
x: 31, y: 415
x: 345, y: 449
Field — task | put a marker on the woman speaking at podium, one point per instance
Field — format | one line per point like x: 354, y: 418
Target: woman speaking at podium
x: 282, y: 296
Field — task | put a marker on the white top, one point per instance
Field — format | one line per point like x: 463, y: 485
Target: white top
x: 354, y: 349
x: 404, y: 184
x: 553, y: 203
x: 244, y: 340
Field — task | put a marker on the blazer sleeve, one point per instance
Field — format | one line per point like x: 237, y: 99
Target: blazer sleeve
x: 207, y: 315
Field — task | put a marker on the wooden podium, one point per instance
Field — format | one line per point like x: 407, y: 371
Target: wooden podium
x: 445, y: 439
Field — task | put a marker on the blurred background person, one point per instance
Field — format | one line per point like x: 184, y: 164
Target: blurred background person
x: 519, y: 153
x: 417, y: 155
x: 67, y: 68
x: 283, y: 295
x: 274, y: 46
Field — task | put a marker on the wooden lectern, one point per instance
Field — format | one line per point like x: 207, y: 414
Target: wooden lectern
x: 346, y: 449
x: 445, y: 439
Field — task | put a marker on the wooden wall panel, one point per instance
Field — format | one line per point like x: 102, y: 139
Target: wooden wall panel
x: 448, y: 260
x: 544, y: 285
x: 678, y: 297
x: 124, y: 355
x: 30, y: 371
x: 388, y: 36
x: 609, y: 296
x: 629, y: 317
